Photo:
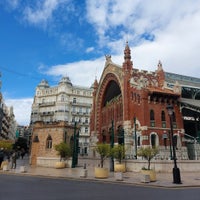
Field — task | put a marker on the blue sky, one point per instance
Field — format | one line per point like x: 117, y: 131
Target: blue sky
x: 47, y: 39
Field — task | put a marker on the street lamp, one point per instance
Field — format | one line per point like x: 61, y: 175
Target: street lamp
x: 135, y: 138
x: 75, y: 147
x: 176, y: 171
x: 111, y: 146
x: 170, y: 144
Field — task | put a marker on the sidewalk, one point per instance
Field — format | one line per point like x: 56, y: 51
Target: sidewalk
x: 163, y: 179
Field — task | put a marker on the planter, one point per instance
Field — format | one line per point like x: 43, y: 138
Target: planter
x: 120, y: 167
x: 22, y: 169
x: 3, y: 164
x: 5, y: 168
x: 60, y: 165
x: 100, y: 172
x: 151, y: 173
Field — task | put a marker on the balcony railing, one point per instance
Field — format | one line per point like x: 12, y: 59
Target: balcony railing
x: 47, y: 104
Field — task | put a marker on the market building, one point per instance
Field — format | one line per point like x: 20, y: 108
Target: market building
x: 135, y: 103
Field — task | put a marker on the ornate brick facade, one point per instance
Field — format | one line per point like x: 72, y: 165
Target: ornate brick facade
x: 124, y: 94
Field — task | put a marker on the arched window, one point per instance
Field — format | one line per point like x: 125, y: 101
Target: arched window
x: 120, y: 134
x: 153, y: 140
x: 163, y: 116
x: 152, y: 118
x: 174, y: 117
x: 174, y: 120
x: 104, y: 136
x: 138, y: 141
x: 65, y: 137
x: 49, y: 142
x: 163, y: 119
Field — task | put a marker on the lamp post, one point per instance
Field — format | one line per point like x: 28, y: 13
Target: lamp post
x: 111, y: 146
x: 135, y: 137
x: 75, y: 147
x: 170, y: 145
x: 176, y: 171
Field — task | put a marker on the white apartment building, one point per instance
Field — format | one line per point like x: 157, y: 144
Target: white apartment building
x: 64, y: 102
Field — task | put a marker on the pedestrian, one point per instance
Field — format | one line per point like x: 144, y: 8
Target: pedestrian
x: 14, y: 160
x: 22, y: 153
x: 1, y: 156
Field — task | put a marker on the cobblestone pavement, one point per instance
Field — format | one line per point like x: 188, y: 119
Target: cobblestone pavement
x: 163, y: 179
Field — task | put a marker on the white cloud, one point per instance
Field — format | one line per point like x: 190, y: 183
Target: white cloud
x: 42, y: 12
x: 81, y: 72
x: 22, y: 109
x: 173, y: 26
x: 89, y: 49
x: 13, y: 4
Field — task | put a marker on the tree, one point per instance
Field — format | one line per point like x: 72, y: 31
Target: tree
x: 148, y: 153
x: 5, y: 144
x: 104, y: 152
x: 118, y: 152
x: 64, y: 150
x: 21, y: 143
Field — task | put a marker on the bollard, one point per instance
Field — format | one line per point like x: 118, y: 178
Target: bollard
x: 118, y: 176
x: 22, y: 169
x: 145, y: 178
x: 83, y: 172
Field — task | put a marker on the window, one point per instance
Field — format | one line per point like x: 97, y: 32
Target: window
x: 73, y: 109
x: 175, y: 141
x: 174, y: 120
x: 65, y: 137
x: 49, y: 142
x: 62, y: 98
x: 152, y: 118
x: 74, y: 100
x: 104, y: 136
x: 163, y: 119
x: 153, y: 140
x: 86, y: 120
x: 85, y: 150
x: 138, y: 141
x: 163, y: 116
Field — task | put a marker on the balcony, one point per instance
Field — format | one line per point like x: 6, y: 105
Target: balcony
x: 47, y: 113
x: 47, y: 104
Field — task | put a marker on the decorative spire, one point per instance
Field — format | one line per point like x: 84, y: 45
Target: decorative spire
x: 127, y: 52
x: 159, y: 66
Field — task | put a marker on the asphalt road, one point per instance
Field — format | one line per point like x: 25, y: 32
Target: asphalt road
x: 17, y: 187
